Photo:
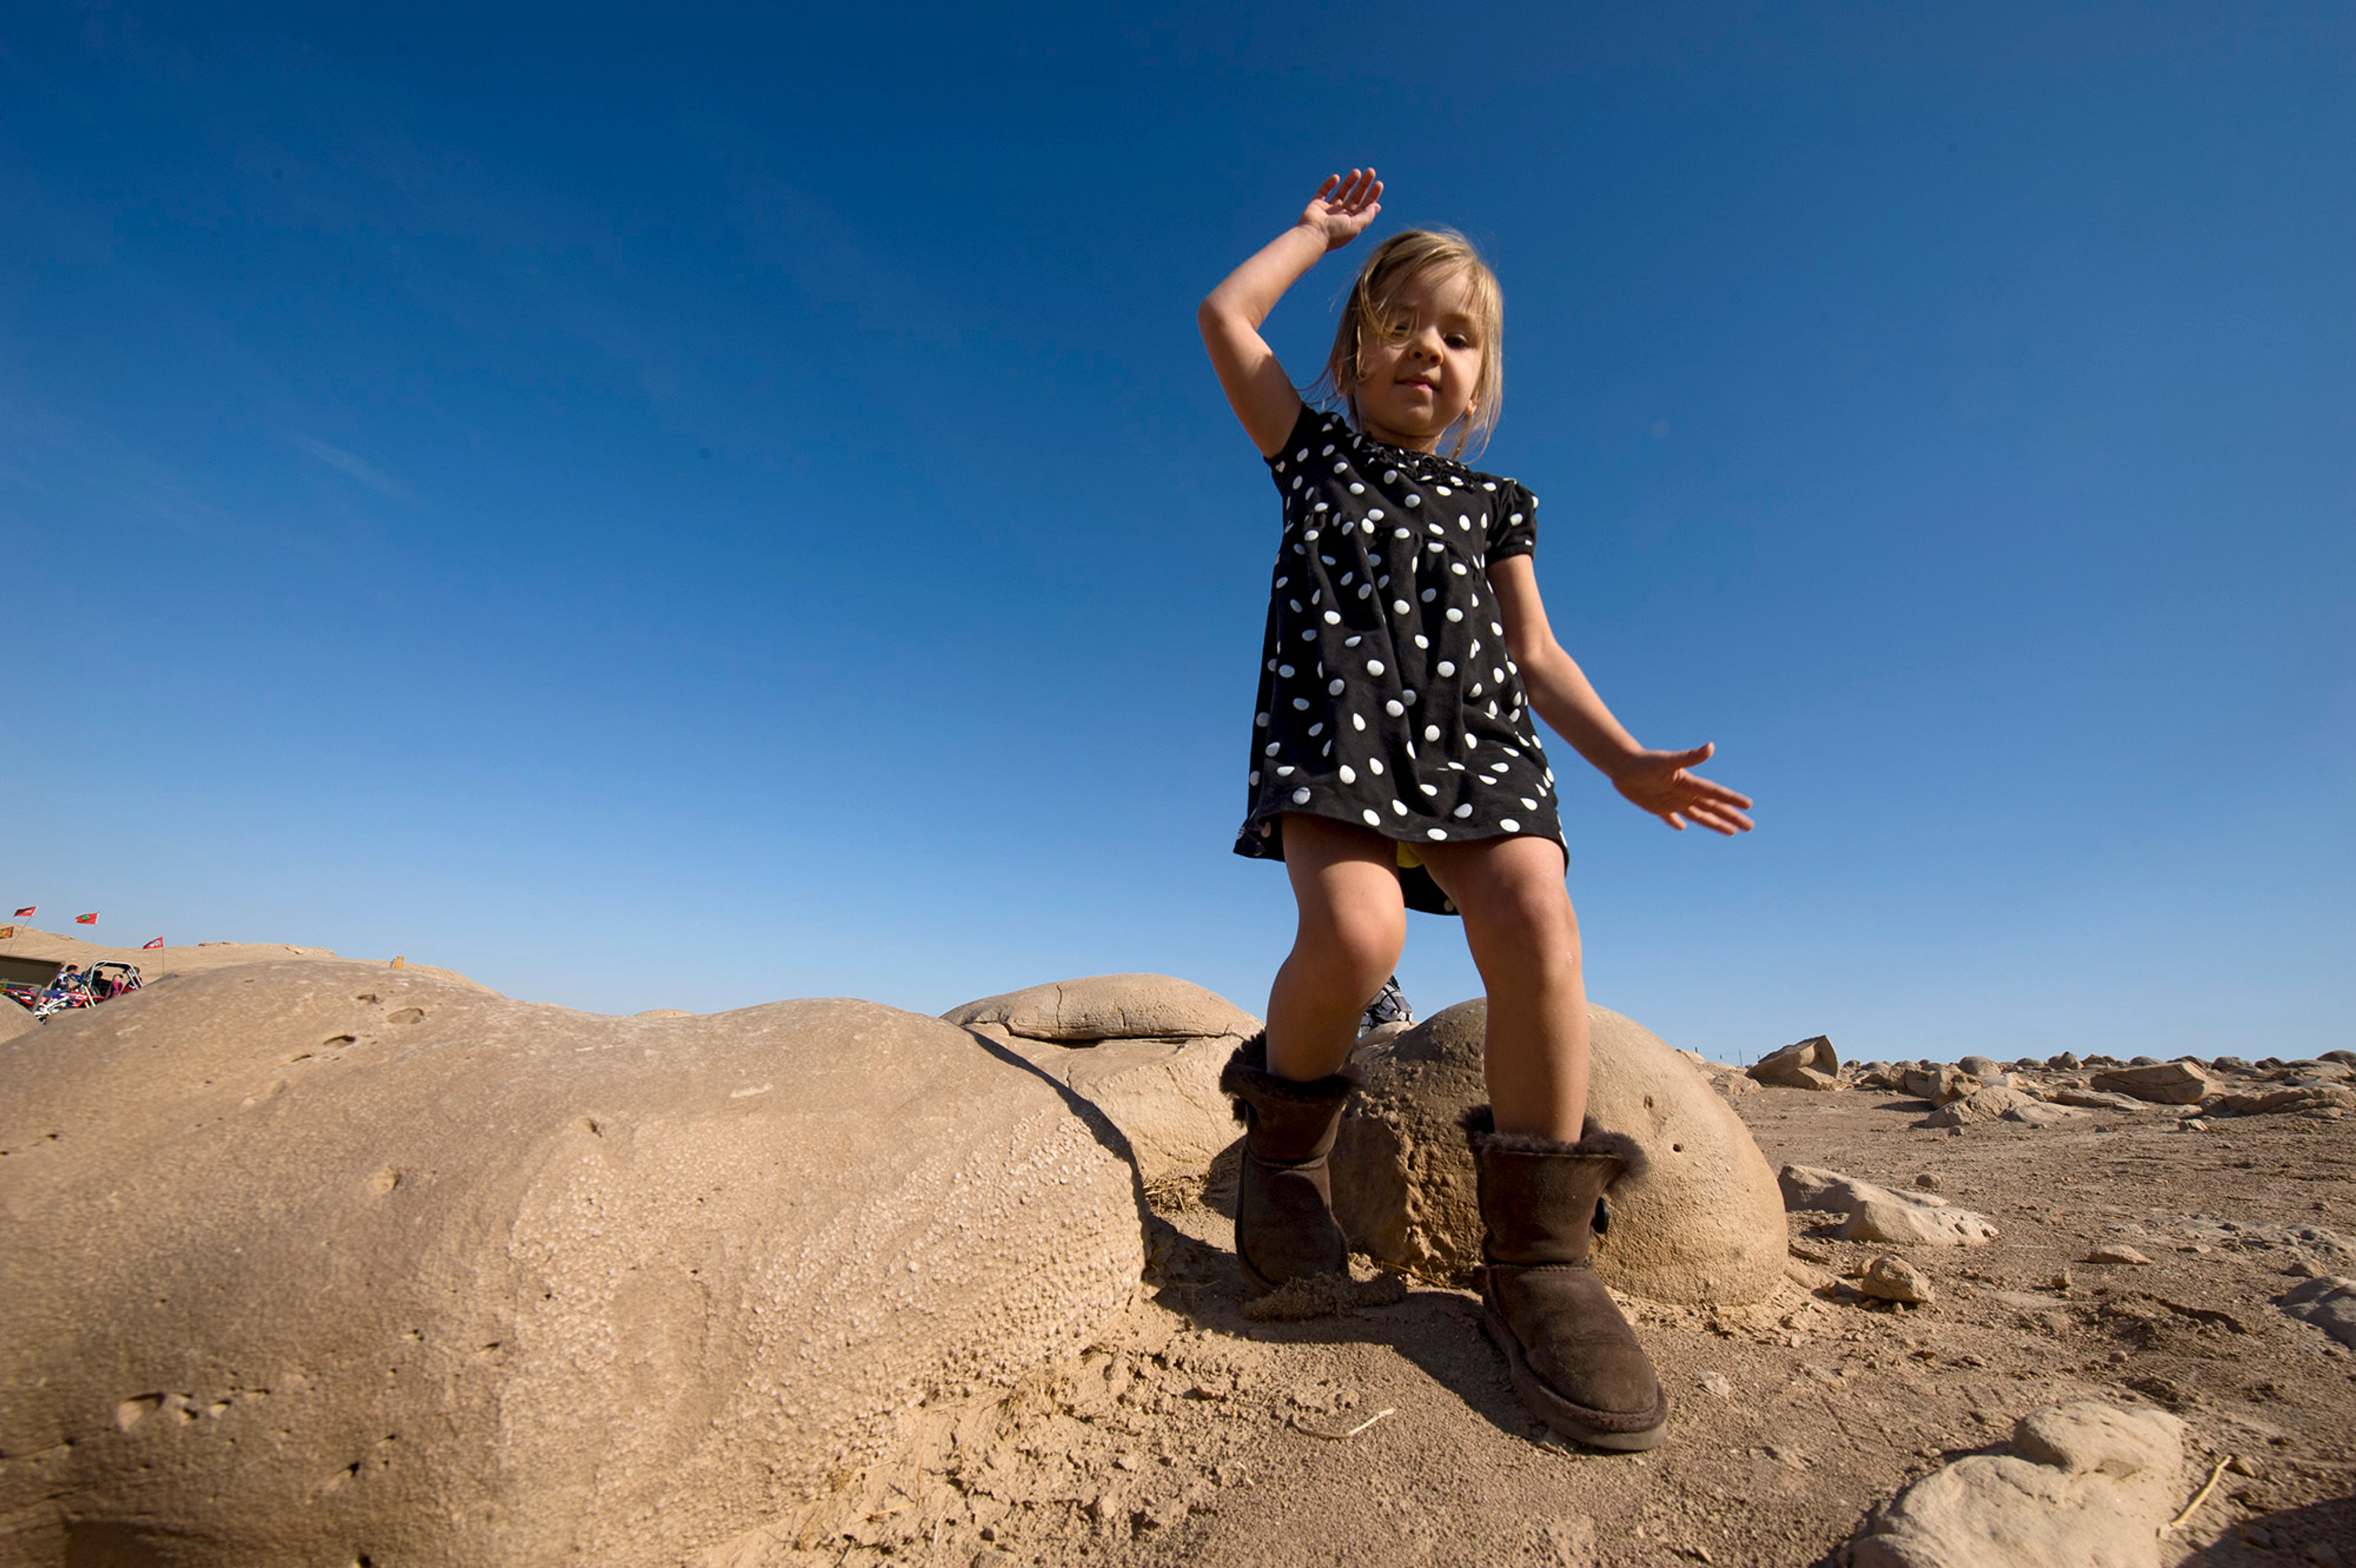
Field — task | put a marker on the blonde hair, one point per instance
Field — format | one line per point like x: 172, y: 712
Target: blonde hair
x: 1396, y: 260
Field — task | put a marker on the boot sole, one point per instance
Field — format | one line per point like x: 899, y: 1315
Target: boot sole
x: 1617, y: 1431
x: 1257, y: 1284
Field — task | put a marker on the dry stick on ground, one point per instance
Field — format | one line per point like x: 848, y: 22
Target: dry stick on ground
x: 2198, y: 1497
x: 1308, y: 1431
x: 1414, y: 1272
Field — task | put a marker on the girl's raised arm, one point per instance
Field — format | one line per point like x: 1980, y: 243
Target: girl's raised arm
x: 1259, y: 391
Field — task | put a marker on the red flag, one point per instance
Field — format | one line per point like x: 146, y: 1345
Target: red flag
x: 85, y: 919
x: 145, y: 946
x: 26, y: 910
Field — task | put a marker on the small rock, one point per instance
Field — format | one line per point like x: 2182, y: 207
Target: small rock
x: 1810, y: 1063
x: 2115, y: 1253
x: 1927, y: 1182
x: 1716, y: 1383
x: 1807, y: 1276
x: 1876, y: 1214
x: 2328, y: 1303
x: 1981, y: 1067
x: 2160, y: 1082
x: 2029, y: 1113
x: 1940, y: 1084
x: 2086, y: 1483
x: 1937, y: 1225
x: 2093, y: 1100
x: 1980, y: 1106
x: 1895, y: 1279
x: 1144, y: 1050
x: 2277, y: 1101
x: 1110, y: 1006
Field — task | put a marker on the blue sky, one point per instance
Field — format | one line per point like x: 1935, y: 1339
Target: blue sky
x: 685, y: 510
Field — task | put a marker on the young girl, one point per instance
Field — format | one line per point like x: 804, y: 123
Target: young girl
x: 1394, y: 764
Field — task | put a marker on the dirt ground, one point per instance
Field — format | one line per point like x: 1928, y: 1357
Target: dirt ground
x: 1389, y: 1435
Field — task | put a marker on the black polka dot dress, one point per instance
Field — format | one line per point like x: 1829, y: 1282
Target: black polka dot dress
x: 1387, y: 698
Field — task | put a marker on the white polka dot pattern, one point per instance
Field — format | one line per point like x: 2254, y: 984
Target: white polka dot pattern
x: 1403, y: 666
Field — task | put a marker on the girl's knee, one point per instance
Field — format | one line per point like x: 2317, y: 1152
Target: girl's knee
x: 1532, y: 925
x: 1357, y: 941
x: 1373, y: 940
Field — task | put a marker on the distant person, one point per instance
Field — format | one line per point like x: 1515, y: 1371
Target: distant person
x: 1389, y: 1007
x: 1394, y: 765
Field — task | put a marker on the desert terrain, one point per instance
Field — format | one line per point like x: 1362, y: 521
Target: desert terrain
x: 1199, y: 1435
x: 2142, y: 1256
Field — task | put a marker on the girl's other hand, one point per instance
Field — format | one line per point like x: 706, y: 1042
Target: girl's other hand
x: 1659, y: 783
x: 1343, y: 207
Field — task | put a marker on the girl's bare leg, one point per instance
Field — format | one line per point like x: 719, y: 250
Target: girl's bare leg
x: 1525, y: 941
x: 1353, y: 925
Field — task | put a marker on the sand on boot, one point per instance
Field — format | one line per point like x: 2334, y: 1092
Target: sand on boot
x: 1324, y: 1296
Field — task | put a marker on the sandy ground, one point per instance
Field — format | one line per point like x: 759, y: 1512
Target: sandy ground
x: 1194, y: 1435
x: 1388, y: 1433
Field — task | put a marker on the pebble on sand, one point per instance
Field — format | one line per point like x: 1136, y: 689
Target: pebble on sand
x: 1891, y: 1278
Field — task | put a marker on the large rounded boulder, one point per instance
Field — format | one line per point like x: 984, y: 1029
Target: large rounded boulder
x: 1144, y: 1050
x: 318, y: 1261
x: 1702, y: 1224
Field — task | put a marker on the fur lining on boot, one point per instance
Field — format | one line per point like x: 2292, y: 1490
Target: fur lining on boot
x: 1481, y: 1131
x: 1248, y: 1066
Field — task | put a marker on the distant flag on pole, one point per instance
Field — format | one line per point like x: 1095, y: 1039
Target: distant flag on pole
x: 145, y: 946
x: 86, y: 919
x: 26, y: 912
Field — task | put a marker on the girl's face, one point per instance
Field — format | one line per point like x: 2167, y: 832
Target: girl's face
x: 1421, y: 368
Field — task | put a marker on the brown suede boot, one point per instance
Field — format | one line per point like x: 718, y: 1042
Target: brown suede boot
x: 1285, y: 1227
x: 1574, y: 1359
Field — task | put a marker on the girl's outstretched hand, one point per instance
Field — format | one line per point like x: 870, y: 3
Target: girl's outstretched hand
x: 1658, y: 781
x: 1343, y: 207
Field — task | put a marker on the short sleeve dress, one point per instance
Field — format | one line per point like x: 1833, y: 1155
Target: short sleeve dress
x: 1387, y: 696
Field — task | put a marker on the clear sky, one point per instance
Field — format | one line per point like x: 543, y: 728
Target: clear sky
x: 652, y: 509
